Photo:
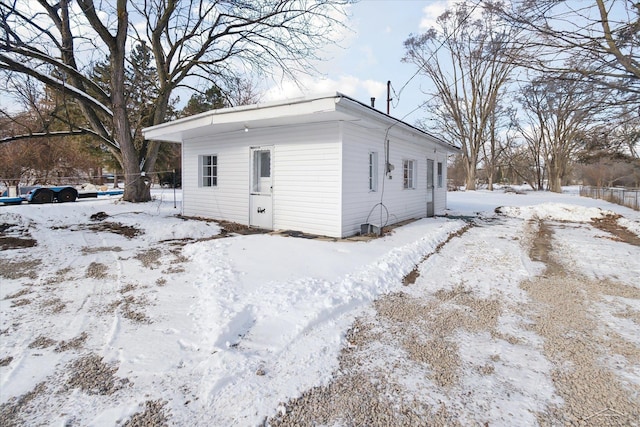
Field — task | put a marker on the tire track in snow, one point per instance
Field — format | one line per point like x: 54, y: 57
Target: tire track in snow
x: 444, y: 351
x: 577, y: 342
x: 260, y: 331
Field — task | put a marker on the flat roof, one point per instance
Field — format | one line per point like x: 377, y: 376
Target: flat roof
x: 309, y: 109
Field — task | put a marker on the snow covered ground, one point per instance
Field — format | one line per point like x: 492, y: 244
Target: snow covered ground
x: 143, y: 314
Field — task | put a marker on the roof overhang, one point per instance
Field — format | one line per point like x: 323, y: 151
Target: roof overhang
x: 332, y: 107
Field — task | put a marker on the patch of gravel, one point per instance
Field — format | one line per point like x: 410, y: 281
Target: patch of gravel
x: 18, y: 294
x: 129, y: 307
x: 60, y: 276
x: 577, y: 345
x: 116, y: 228
x: 412, y: 334
x: 149, y: 258
x: 91, y: 375
x: 42, y: 342
x: 20, y: 302
x: 128, y: 288
x: 154, y: 414
x: 72, y: 344
x: 19, y: 268
x: 11, y: 411
x: 94, y: 250
x: 53, y: 306
x: 96, y: 270
x: 174, y: 270
x: 417, y: 337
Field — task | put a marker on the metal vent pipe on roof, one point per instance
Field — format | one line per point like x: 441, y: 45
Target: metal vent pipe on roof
x: 373, y: 102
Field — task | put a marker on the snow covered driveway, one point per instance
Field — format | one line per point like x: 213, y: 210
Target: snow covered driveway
x: 530, y: 317
x: 526, y: 321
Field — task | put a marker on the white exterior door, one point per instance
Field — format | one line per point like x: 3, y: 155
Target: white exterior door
x: 260, y: 195
x: 430, y: 188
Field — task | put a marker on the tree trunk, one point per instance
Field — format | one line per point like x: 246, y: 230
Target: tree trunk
x: 471, y: 175
x: 555, y: 179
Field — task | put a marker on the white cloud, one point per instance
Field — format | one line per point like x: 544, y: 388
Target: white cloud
x: 437, y: 8
x: 346, y: 84
x: 432, y: 11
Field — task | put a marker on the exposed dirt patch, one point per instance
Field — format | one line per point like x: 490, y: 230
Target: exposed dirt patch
x: 154, y: 414
x: 42, y: 342
x: 20, y: 302
x: 149, y: 258
x: 10, y: 242
x: 129, y: 306
x: 609, y: 223
x: 353, y: 399
x: 88, y: 250
x: 11, y: 411
x: 91, y: 375
x: 96, y: 270
x: 53, y: 306
x: 16, y: 269
x: 116, y: 228
x: 20, y: 293
x: 411, y: 278
x: 6, y: 360
x: 99, y: 216
x: 421, y: 332
x: 13, y: 236
x: 413, y: 275
x: 129, y: 287
x: 72, y: 344
x: 60, y: 276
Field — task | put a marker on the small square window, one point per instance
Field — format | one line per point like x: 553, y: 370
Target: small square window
x: 208, y: 171
x: 409, y: 174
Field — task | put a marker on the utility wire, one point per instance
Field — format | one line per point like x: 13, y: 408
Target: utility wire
x: 397, y: 94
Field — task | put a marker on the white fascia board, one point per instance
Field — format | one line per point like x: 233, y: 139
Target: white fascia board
x: 176, y: 130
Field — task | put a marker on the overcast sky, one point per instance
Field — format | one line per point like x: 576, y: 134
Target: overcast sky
x: 371, y: 55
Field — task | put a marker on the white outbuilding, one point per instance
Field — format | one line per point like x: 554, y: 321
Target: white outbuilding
x: 327, y: 165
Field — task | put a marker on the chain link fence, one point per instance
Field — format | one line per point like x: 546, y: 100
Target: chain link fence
x: 629, y: 197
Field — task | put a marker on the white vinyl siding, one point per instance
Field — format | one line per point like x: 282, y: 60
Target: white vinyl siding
x: 358, y: 202
x: 305, y: 169
x: 229, y: 199
x: 306, y: 186
x: 320, y: 177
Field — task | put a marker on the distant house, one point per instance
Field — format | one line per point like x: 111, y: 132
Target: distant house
x: 323, y: 165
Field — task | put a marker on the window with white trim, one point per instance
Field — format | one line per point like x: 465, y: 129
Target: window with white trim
x: 440, y: 175
x: 373, y: 171
x: 208, y: 170
x: 409, y: 174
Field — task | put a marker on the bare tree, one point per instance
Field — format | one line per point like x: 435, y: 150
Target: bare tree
x: 558, y: 114
x: 190, y: 41
x: 470, y: 77
x: 595, y: 40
